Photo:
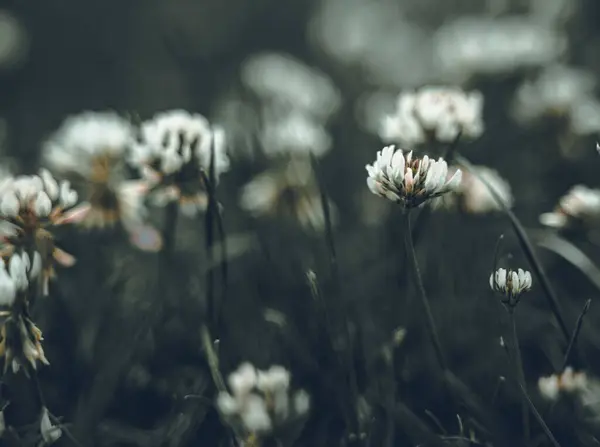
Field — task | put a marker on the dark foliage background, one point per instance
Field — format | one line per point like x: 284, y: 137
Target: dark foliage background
x: 122, y: 329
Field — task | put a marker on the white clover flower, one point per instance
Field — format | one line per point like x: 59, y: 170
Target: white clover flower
x: 8, y: 288
x: 510, y: 284
x: 87, y: 143
x: 556, y: 92
x: 290, y: 191
x: 174, y: 154
x: 579, y: 207
x: 471, y: 46
x: 570, y: 382
x: 260, y: 400
x: 281, y: 78
x: 50, y: 433
x: 473, y: 195
x: 439, y: 113
x: 407, y: 181
x: 293, y: 132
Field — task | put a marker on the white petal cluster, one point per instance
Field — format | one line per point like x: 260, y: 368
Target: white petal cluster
x: 438, y: 112
x: 571, y: 382
x: 292, y: 187
x: 511, y: 284
x: 177, y: 138
x: 560, y: 91
x: 409, y: 181
x: 261, y: 400
x: 16, y: 274
x: 38, y: 195
x: 83, y: 138
x: 580, y: 206
x: 473, y: 46
x: 473, y: 195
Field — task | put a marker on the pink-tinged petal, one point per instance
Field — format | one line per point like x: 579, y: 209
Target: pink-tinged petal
x: 63, y: 258
x: 74, y: 215
x: 146, y: 238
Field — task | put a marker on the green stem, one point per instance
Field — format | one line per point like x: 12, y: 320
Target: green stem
x: 520, y: 370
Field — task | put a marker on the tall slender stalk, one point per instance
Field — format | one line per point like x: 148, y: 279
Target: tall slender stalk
x: 423, y: 295
x: 520, y: 370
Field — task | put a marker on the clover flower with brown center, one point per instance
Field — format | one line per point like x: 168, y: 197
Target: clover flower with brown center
x: 409, y: 181
x: 30, y: 207
x: 89, y: 149
x: 580, y: 207
x: 510, y: 285
x: 173, y: 156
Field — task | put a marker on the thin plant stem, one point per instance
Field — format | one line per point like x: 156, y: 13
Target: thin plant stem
x: 527, y: 247
x: 534, y: 410
x: 576, y: 332
x: 423, y: 295
x: 520, y: 370
x: 169, y: 230
x: 212, y: 359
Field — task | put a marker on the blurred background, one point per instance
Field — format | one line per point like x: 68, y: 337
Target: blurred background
x: 315, y: 76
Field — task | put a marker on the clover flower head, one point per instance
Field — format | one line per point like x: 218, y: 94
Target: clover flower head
x: 409, y: 181
x: 438, y: 113
x: 579, y: 207
x: 568, y: 382
x: 290, y: 191
x: 261, y: 400
x: 473, y: 195
x: 510, y: 284
x: 173, y: 155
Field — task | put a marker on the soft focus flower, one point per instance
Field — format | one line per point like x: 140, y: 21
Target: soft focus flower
x: 290, y: 191
x: 434, y: 113
x: 173, y: 156
x: 553, y: 386
x: 558, y: 91
x: 407, y: 181
x: 580, y: 207
x: 470, y: 46
x: 510, y: 284
x: 30, y: 206
x: 473, y: 195
x: 50, y: 433
x: 281, y: 78
x: 260, y: 400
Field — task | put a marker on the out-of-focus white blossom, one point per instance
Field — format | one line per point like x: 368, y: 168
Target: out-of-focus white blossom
x: 441, y: 113
x: 510, y: 284
x: 290, y: 191
x: 473, y: 195
x: 551, y: 12
x: 50, y: 433
x: 260, y: 400
x: 558, y: 91
x: 409, y: 181
x: 471, y: 46
x: 579, y: 207
x: 14, y: 41
x: 280, y: 77
x: 174, y: 156
x: 293, y: 133
x: 570, y: 382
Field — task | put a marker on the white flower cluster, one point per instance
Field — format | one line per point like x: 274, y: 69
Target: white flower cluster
x: 16, y: 275
x: 289, y: 188
x: 560, y: 91
x: 50, y: 432
x: 580, y: 206
x: 570, y: 382
x: 467, y: 47
x: 296, y: 101
x: 39, y: 196
x: 175, y: 139
x: 261, y: 400
x: 473, y: 195
x: 441, y: 113
x: 510, y: 284
x: 409, y: 181
x: 83, y: 140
